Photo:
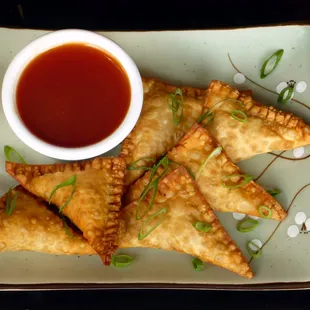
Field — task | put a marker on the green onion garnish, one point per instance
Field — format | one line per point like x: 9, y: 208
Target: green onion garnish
x: 66, y: 227
x: 197, y: 264
x: 265, y: 212
x: 271, y: 63
x: 154, y: 186
x: 10, y: 203
x: 134, y: 166
x: 286, y: 94
x: 206, y: 115
x: 246, y: 179
x: 70, y: 182
x: 142, y: 235
x: 239, y: 116
x: 274, y: 192
x: 7, y: 152
x: 247, y: 225
x: 203, y: 226
x: 217, y: 151
x: 175, y: 103
x: 121, y: 260
x: 255, y: 254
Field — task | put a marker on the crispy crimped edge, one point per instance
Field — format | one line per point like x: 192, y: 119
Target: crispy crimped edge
x: 266, y: 113
x: 271, y: 114
x: 216, y: 87
x: 118, y: 165
x: 280, y: 212
x: 180, y: 172
x: 188, y: 91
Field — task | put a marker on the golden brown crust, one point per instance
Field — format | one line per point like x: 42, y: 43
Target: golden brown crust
x: 267, y: 129
x: 95, y: 204
x: 33, y: 227
x: 185, y: 206
x: 155, y: 132
x: 191, y: 152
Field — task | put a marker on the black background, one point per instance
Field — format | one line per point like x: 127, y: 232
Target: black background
x: 152, y: 15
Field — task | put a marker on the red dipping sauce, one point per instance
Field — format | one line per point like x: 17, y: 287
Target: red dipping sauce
x: 73, y: 95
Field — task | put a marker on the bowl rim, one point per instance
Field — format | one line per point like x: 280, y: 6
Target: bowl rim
x: 58, y: 38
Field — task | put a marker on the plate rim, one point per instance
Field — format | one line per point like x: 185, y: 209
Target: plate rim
x: 275, y: 286
x: 218, y: 28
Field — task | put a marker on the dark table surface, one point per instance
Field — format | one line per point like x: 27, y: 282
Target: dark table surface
x: 151, y: 15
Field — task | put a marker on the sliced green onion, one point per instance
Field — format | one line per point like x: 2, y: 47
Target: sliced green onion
x: 163, y: 162
x: 197, y: 264
x: 274, y: 192
x: 70, y: 182
x: 239, y: 116
x: 142, y: 235
x: 228, y: 99
x: 10, y: 203
x: 175, y: 103
x: 217, y: 151
x: 121, y: 260
x: 247, y: 225
x: 7, y: 152
x: 255, y: 254
x: 286, y: 94
x: 246, y: 179
x: 66, y: 227
x: 134, y: 166
x: 262, y: 211
x: 271, y: 63
x: 154, y: 186
x: 206, y: 115
x: 203, y: 226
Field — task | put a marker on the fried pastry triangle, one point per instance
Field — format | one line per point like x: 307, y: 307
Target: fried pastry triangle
x: 179, y: 195
x: 266, y: 129
x: 155, y: 132
x: 33, y: 227
x: 95, y: 203
x: 194, y: 149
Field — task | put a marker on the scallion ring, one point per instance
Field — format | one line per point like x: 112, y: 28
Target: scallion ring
x: 255, y: 254
x: 274, y: 192
x: 265, y: 212
x: 271, y: 63
x: 176, y: 104
x: 203, y: 226
x: 69, y: 182
x: 239, y: 115
x: 247, y: 225
x: 10, y: 202
x: 121, y: 260
x: 217, y: 151
x: 134, y: 166
x: 286, y: 94
x: 246, y: 179
x: 7, y: 152
x: 197, y: 264
x: 142, y: 235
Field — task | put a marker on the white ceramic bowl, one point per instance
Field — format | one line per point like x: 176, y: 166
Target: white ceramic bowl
x: 45, y: 43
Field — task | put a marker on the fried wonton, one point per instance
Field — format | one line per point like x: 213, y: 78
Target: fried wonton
x: 192, y: 151
x: 155, y: 132
x: 95, y: 202
x: 266, y: 129
x: 180, y: 205
x: 32, y: 226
